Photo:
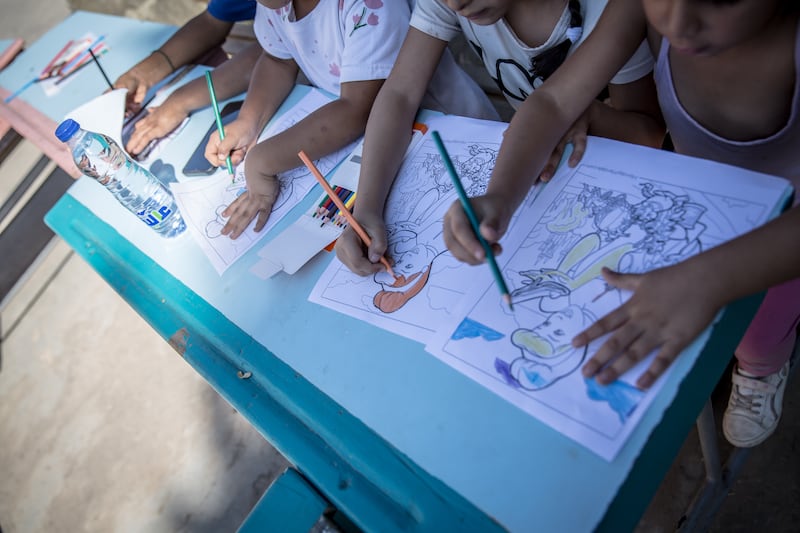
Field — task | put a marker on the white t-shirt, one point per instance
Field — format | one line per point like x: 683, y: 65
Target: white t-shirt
x: 506, y: 58
x: 343, y: 41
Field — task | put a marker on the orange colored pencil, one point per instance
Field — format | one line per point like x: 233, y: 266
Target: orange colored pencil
x: 351, y: 220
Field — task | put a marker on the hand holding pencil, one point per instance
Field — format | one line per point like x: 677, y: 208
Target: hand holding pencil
x: 468, y: 209
x: 218, y: 119
x: 352, y: 222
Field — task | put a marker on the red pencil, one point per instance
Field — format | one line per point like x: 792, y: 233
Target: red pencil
x: 351, y: 220
x: 51, y: 64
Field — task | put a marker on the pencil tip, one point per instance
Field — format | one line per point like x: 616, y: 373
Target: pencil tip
x: 507, y: 300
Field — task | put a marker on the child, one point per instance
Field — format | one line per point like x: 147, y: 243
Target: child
x: 346, y: 47
x: 721, y: 100
x: 192, y: 40
x: 520, y: 44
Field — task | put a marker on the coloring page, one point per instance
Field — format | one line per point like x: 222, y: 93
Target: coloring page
x: 622, y: 211
x: 202, y: 201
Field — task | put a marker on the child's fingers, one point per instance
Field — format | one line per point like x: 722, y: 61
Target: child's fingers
x: 262, y: 217
x: 609, y: 322
x: 377, y: 248
x: 578, y: 148
x: 664, y: 358
x: 633, y: 346
x: 350, y: 251
x: 612, y: 358
x: 234, y: 206
x: 550, y: 168
x: 460, y: 238
x: 142, y: 134
x: 212, y: 149
x: 240, y: 221
x: 141, y: 91
x: 237, y: 156
x: 226, y: 146
x: 490, y: 229
x: 617, y: 280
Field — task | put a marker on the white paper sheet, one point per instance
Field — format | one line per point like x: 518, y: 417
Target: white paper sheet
x: 103, y: 114
x: 624, y: 207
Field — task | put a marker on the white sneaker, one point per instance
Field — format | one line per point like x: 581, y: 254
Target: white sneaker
x: 754, y: 407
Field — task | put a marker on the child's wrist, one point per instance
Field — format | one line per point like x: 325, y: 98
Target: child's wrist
x: 713, y: 280
x: 164, y: 58
x: 367, y: 213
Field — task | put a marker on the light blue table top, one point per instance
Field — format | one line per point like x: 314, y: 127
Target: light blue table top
x: 128, y: 41
x: 518, y: 471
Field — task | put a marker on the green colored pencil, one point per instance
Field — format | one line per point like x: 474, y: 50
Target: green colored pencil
x: 473, y: 219
x: 217, y: 117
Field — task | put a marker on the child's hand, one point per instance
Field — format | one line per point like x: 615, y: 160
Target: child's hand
x: 492, y: 212
x: 351, y: 251
x: 159, y: 122
x: 669, y: 308
x: 137, y: 86
x: 239, y: 136
x: 577, y: 136
x: 138, y: 81
x: 262, y: 191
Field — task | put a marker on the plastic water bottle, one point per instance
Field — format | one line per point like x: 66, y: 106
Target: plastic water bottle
x: 100, y: 157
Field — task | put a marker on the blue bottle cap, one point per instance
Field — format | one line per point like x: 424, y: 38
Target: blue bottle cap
x: 67, y: 129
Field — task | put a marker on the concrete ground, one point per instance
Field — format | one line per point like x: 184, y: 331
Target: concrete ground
x: 104, y: 428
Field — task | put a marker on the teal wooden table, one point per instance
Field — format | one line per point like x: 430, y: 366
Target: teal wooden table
x: 377, y: 428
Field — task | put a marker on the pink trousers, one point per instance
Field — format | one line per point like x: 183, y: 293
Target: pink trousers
x: 769, y: 340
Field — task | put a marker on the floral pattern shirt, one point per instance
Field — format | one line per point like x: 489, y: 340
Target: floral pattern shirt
x: 339, y: 41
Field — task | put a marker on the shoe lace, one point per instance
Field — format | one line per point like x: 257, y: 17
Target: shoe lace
x: 751, y: 400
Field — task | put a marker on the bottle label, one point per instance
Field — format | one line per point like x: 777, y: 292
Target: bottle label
x: 152, y: 215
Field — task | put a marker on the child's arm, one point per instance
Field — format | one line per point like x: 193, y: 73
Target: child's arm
x: 191, y: 40
x: 671, y: 306
x: 271, y: 82
x: 539, y: 123
x: 387, y: 136
x: 230, y: 79
x: 322, y: 132
x: 632, y: 115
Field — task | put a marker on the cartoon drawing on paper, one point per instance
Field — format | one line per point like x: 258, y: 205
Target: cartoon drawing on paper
x: 214, y: 226
x: 430, y: 282
x: 415, y: 220
x: 546, y: 356
x: 659, y: 229
x: 638, y: 225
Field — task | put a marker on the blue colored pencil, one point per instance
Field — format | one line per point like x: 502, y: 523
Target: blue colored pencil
x: 473, y: 219
x: 20, y: 90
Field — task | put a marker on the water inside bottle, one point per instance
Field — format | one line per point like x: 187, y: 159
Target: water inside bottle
x: 134, y: 187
